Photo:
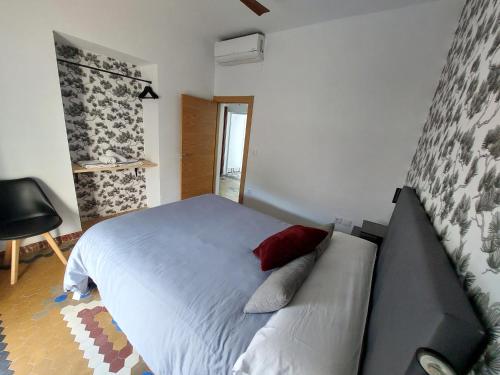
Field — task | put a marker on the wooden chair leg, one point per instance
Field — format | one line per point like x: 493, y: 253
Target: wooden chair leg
x: 55, y: 247
x: 14, y: 267
x: 7, y: 256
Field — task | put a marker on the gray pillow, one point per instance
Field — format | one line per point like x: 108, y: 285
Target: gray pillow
x: 323, y: 245
x: 280, y: 287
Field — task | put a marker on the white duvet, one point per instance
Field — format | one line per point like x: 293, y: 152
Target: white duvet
x: 321, y: 331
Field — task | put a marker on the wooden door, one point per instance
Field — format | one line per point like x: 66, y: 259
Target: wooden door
x: 199, y: 141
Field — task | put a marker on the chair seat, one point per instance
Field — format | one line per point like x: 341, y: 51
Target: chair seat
x: 28, y: 227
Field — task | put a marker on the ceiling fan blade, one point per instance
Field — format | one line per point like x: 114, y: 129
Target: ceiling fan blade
x: 255, y: 7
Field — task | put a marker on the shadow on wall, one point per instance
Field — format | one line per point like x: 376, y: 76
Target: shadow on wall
x: 2, y: 168
x: 287, y: 216
x: 61, y: 208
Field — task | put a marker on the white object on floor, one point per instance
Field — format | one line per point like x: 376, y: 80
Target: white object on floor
x: 321, y: 331
x: 77, y: 296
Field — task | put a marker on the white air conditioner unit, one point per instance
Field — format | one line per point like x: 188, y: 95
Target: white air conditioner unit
x: 243, y: 50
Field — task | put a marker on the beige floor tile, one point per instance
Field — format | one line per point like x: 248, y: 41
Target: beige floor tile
x: 38, y: 340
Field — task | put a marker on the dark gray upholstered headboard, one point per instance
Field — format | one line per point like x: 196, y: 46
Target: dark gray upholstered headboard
x: 417, y: 300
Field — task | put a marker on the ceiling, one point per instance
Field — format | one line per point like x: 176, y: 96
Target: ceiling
x: 229, y: 18
x: 225, y: 19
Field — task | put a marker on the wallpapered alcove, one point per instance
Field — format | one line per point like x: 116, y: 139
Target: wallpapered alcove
x: 102, y: 112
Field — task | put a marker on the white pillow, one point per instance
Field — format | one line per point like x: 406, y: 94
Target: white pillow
x: 321, y: 331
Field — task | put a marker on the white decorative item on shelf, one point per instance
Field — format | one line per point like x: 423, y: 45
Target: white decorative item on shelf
x: 90, y: 166
x: 107, y: 159
x: 95, y: 164
x: 118, y: 157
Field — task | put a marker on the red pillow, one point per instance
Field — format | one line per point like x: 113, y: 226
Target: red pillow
x: 287, y: 245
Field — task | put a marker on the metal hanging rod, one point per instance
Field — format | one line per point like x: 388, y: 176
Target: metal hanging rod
x: 102, y: 70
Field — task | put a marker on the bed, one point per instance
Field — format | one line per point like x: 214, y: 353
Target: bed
x: 177, y: 277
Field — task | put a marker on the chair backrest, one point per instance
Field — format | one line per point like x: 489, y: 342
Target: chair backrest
x: 23, y: 199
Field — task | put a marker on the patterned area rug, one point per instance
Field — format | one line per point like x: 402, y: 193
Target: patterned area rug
x: 100, y: 339
x: 44, y: 331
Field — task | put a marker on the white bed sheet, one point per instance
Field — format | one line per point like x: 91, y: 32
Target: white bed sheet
x: 321, y: 331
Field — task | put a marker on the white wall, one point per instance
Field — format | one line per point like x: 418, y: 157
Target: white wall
x: 32, y: 130
x: 338, y: 110
x: 236, y: 141
x: 151, y: 124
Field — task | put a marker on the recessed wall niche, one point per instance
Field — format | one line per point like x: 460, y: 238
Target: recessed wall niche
x: 103, y: 113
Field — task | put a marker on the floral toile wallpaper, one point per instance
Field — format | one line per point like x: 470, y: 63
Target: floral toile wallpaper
x: 102, y: 111
x: 456, y: 169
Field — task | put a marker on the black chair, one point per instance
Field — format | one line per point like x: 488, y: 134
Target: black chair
x: 25, y: 211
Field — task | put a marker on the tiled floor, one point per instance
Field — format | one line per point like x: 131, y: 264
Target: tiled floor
x: 229, y: 187
x: 44, y: 331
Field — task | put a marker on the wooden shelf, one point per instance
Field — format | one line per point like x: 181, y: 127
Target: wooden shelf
x: 139, y: 165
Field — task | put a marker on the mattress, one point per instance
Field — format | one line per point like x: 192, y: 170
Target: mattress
x: 176, y: 279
